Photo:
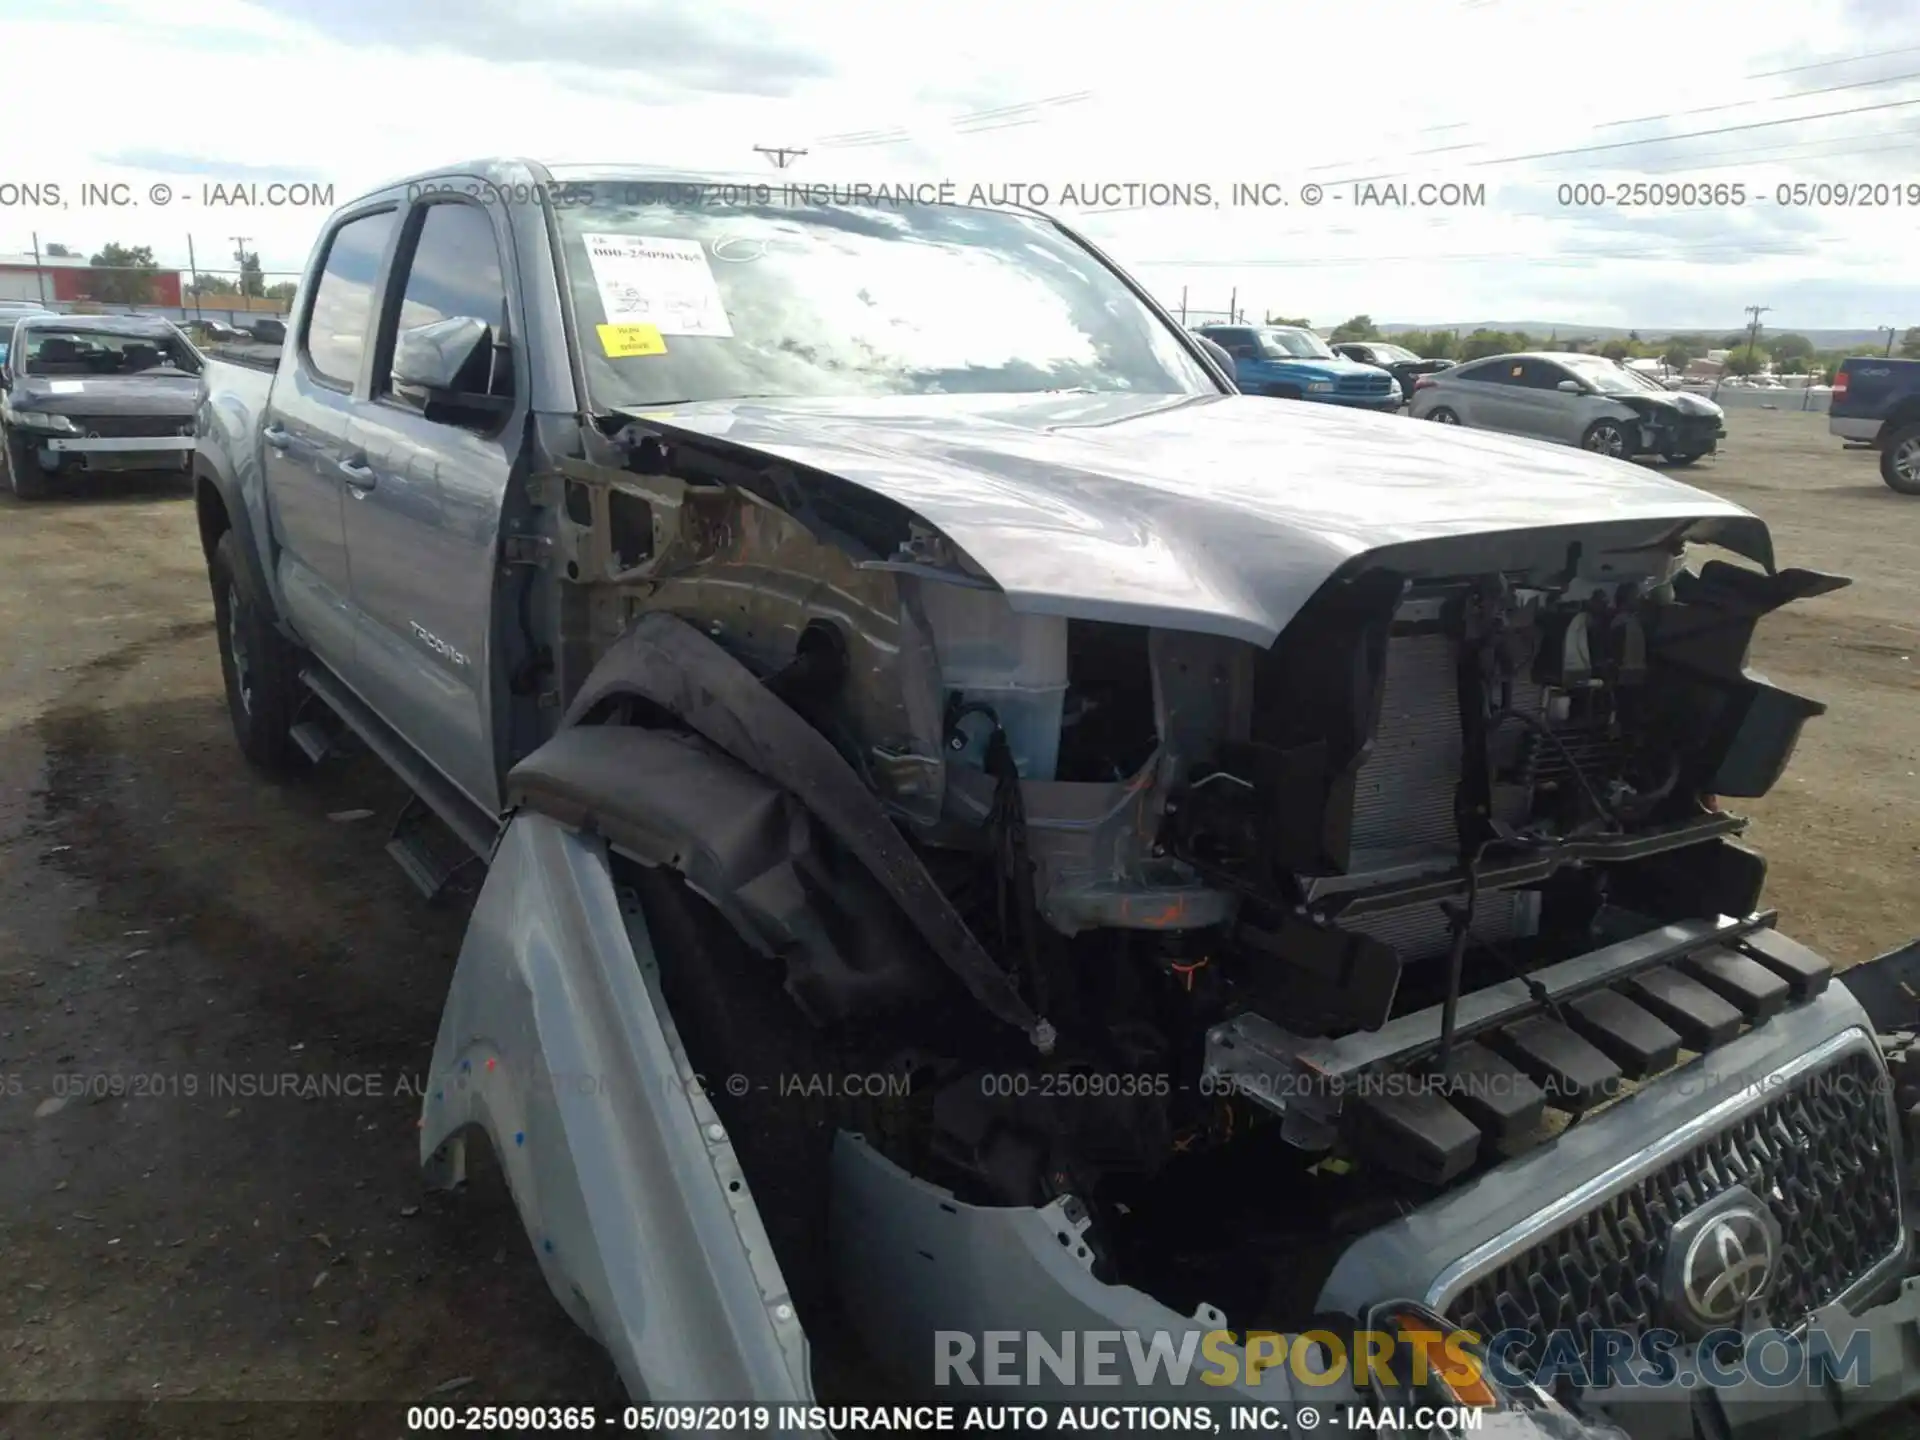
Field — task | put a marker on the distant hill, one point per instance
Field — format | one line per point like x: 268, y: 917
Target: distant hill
x: 1873, y: 341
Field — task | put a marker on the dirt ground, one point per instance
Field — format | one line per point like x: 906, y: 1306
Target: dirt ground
x: 169, y: 919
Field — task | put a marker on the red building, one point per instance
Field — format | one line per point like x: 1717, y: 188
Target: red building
x: 70, y: 280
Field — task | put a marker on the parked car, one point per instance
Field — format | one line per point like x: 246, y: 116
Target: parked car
x: 268, y: 332
x: 216, y: 332
x: 1293, y: 364
x: 1876, y: 401
x: 840, y: 692
x: 95, y: 393
x: 1583, y: 400
x: 1396, y: 360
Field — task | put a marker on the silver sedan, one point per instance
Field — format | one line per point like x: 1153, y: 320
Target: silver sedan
x: 1572, y: 399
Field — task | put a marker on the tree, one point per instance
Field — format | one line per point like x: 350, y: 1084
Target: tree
x: 1617, y: 350
x: 213, y: 285
x: 1678, y: 355
x: 1295, y: 324
x: 1633, y: 337
x: 55, y: 249
x: 1485, y: 342
x: 125, y: 274
x: 283, y: 291
x: 1791, y: 347
x: 251, y: 280
x: 1360, y: 327
x: 1745, y: 361
x: 1910, y: 344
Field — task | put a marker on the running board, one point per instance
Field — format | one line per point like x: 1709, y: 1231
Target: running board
x: 314, y: 741
x: 476, y: 829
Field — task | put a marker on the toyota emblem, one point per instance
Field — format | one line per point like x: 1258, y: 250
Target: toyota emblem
x: 1722, y: 1260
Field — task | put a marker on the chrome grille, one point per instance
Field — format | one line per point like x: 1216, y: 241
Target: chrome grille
x: 1365, y: 384
x: 1819, y: 1154
x: 124, y: 427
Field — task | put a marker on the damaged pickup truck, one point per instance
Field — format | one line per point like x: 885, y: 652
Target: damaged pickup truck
x: 1016, y: 836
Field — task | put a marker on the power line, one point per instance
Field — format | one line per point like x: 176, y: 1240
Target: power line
x: 1646, y: 140
x: 971, y: 122
x: 779, y: 154
x: 1829, y: 64
x: 1763, y: 100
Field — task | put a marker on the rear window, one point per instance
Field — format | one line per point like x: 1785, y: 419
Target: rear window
x: 343, y: 299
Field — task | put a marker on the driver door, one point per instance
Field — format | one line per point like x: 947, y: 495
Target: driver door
x: 1537, y: 406
x: 423, y: 504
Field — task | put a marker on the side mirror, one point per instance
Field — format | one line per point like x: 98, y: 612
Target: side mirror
x: 434, y: 357
x: 1571, y: 387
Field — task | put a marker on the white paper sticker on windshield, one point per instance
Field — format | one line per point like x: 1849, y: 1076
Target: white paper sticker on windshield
x: 651, y: 280
x: 66, y: 387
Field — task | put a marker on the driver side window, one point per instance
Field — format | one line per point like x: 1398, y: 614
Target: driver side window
x: 453, y: 271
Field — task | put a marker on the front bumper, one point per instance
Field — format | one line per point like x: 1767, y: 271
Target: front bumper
x: 130, y: 452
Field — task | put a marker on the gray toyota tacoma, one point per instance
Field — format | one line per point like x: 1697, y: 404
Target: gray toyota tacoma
x: 987, y: 829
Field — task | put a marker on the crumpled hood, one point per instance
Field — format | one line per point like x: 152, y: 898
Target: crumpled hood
x: 1219, y: 513
x: 1678, y: 400
x: 169, y: 396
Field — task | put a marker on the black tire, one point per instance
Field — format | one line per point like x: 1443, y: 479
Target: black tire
x: 1687, y: 459
x: 262, y: 671
x: 1441, y: 415
x: 24, y: 476
x: 1900, y: 460
x: 1609, y: 437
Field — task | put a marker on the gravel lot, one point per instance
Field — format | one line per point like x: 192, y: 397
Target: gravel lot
x: 168, y: 918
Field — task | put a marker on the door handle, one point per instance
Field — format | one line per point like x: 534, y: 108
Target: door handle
x: 276, y: 436
x: 359, y: 474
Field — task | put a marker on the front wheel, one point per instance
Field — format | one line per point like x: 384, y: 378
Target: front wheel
x: 1440, y: 415
x: 1685, y: 459
x: 261, y: 669
x: 24, y: 476
x: 1608, y: 437
x: 1900, y: 460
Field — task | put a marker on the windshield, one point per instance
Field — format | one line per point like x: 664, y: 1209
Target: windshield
x: 1393, y: 354
x: 679, y: 298
x: 93, y: 352
x: 1294, y: 345
x: 1605, y: 375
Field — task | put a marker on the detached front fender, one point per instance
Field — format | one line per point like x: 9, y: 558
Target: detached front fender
x: 555, y: 1043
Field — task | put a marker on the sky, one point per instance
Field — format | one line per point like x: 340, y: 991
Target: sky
x: 1553, y: 111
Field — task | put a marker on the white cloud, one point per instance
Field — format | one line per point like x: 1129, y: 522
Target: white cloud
x: 354, y: 92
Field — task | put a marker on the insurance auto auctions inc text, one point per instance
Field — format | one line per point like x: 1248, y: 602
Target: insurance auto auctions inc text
x: 1135, y: 194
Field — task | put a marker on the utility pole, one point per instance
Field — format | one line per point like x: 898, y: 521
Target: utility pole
x: 780, y: 155
x: 193, y: 269
x: 240, y: 259
x: 1890, y: 332
x: 1753, y: 330
x: 39, y: 275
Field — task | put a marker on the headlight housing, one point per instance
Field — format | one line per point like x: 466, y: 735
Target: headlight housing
x: 45, y: 423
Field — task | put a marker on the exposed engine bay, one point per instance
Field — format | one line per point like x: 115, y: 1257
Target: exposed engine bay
x: 1238, y: 888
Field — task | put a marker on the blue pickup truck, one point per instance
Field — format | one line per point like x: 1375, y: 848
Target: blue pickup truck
x: 1012, y: 768
x: 1876, y: 401
x: 1293, y: 364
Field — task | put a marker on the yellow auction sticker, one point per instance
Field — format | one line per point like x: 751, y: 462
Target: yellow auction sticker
x: 620, y: 341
